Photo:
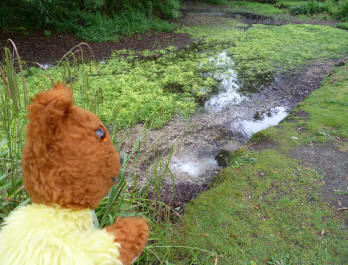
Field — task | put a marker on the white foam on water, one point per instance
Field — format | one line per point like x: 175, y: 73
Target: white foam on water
x: 229, y: 89
x: 192, y: 167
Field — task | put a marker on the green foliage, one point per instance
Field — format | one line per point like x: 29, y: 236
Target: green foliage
x: 92, y: 20
x: 342, y: 25
x: 341, y: 12
x: 47, y: 33
x: 213, y: 2
x: 310, y: 7
x: 167, y: 9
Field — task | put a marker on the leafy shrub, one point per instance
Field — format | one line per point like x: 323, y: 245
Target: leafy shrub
x: 163, y: 26
x: 342, y: 11
x: 98, y: 28
x: 167, y: 9
x: 342, y: 25
x: 265, y: 1
x: 308, y: 8
x: 91, y: 20
x: 313, y: 7
x: 213, y: 2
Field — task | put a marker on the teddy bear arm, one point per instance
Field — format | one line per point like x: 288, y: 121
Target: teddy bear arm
x: 132, y: 234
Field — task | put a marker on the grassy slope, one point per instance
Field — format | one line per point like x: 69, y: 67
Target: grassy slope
x: 270, y: 212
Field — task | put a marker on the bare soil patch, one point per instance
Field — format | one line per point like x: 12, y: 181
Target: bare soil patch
x: 333, y: 165
x: 35, y: 47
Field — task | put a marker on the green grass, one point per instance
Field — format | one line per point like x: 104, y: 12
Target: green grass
x: 342, y: 25
x: 259, y: 8
x: 265, y: 208
x: 327, y: 107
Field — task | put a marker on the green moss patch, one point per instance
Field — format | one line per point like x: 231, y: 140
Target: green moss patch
x: 133, y: 89
x: 263, y: 213
x: 265, y: 48
x: 259, y: 8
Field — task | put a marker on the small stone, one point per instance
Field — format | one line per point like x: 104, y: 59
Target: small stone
x: 294, y: 137
x: 340, y: 63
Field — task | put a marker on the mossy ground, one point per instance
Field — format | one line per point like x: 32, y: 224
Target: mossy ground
x: 255, y: 7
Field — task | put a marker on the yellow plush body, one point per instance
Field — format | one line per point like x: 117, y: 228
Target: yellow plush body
x: 39, y: 234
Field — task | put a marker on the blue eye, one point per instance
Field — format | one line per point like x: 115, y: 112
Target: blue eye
x: 101, y: 133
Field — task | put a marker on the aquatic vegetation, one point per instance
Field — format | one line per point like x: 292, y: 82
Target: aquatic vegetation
x: 135, y: 89
x: 264, y: 48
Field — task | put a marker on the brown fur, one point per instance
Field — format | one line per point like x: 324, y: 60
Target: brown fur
x: 132, y: 234
x: 66, y: 163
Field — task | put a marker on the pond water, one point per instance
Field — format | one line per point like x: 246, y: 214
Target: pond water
x: 271, y: 118
x: 192, y: 166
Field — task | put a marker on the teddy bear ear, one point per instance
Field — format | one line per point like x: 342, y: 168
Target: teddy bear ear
x: 51, y: 105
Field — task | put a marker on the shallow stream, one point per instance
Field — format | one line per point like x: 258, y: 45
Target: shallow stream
x: 231, y: 108
x: 240, y: 107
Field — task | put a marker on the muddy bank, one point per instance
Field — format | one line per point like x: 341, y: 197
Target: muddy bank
x: 219, y: 125
x: 35, y: 47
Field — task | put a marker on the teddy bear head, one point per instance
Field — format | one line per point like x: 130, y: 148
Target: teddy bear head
x: 68, y: 158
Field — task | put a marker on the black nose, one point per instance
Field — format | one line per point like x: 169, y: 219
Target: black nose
x: 121, y: 160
